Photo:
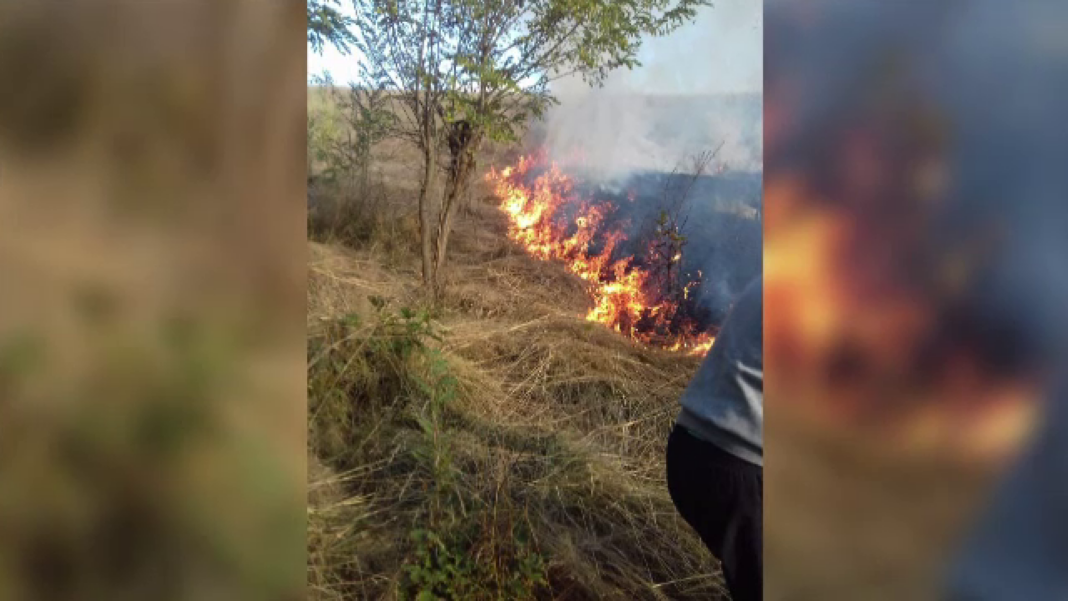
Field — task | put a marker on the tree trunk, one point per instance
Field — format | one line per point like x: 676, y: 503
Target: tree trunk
x: 425, y: 232
x: 462, y: 168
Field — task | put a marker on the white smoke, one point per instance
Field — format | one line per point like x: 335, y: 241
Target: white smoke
x: 698, y: 89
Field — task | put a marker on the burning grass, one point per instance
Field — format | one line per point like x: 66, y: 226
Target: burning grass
x: 643, y: 296
x: 500, y: 446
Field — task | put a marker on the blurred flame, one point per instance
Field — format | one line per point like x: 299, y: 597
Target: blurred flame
x: 844, y: 323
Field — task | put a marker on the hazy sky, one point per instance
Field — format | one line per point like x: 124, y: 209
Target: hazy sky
x: 721, y: 51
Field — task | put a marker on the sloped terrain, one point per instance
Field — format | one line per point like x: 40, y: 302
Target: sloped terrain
x: 497, y: 446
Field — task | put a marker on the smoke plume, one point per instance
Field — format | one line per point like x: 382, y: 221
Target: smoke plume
x: 697, y: 89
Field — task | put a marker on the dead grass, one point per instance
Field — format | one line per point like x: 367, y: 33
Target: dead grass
x: 528, y: 441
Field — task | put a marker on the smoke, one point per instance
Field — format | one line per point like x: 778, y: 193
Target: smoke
x: 698, y: 89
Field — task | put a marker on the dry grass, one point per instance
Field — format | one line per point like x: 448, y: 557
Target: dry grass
x: 544, y: 464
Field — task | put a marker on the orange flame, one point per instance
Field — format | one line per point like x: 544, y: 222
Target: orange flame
x: 623, y: 294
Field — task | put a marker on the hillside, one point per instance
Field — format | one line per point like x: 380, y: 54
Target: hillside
x: 498, y: 441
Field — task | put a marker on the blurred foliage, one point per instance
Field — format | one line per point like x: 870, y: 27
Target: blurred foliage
x: 147, y: 180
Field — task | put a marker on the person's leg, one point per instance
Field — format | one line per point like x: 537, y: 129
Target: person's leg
x: 748, y: 547
x: 721, y: 497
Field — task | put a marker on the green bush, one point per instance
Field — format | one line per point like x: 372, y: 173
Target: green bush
x: 377, y: 386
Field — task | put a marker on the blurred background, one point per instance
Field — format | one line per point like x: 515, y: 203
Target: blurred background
x: 914, y: 239
x: 152, y: 292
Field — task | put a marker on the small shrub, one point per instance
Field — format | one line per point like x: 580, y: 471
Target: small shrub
x: 445, y: 567
x: 358, y: 371
x: 345, y: 203
x: 380, y: 377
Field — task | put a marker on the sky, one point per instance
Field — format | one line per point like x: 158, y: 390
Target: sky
x: 721, y: 52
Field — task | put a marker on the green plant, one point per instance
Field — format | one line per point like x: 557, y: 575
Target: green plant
x: 359, y: 369
x: 341, y: 138
x: 438, y: 386
x: 444, y: 567
x: 439, y: 571
x: 357, y: 119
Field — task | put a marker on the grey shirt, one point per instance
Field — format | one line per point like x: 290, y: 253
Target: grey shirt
x: 724, y: 404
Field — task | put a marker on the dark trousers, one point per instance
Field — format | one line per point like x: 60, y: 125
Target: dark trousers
x: 722, y: 498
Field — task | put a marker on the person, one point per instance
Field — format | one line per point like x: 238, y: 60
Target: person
x: 715, y: 452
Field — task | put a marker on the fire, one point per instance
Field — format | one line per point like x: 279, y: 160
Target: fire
x: 843, y: 328
x: 550, y: 221
x: 815, y: 307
